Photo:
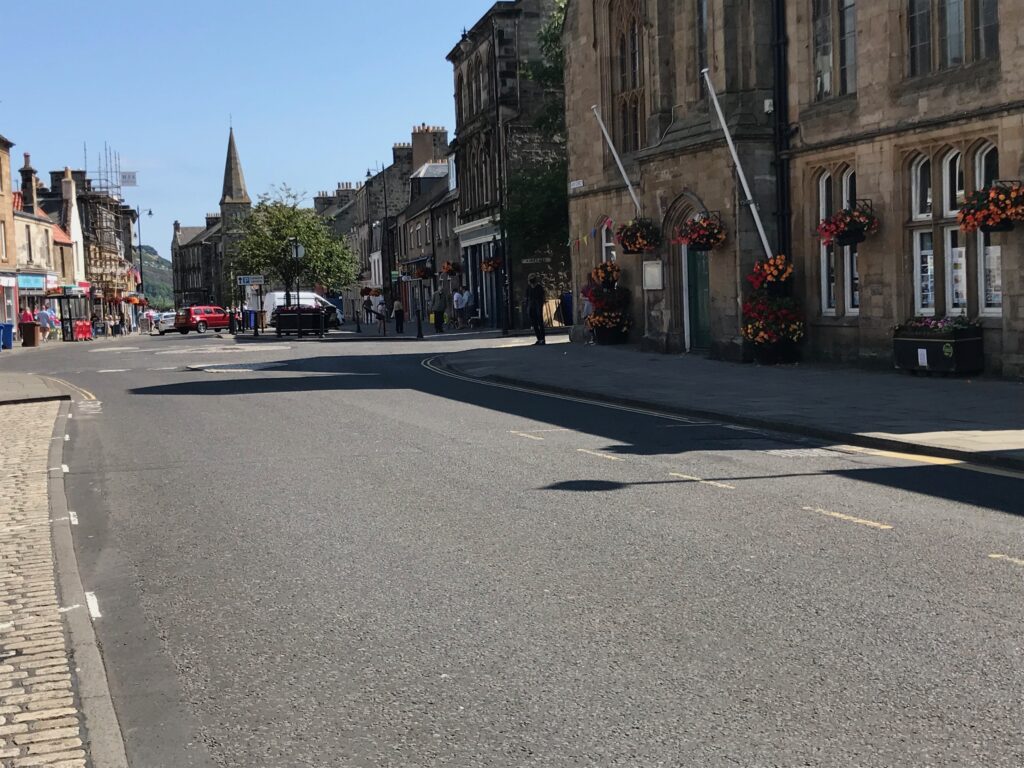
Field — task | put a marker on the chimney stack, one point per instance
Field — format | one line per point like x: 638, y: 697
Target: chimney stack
x: 29, y: 191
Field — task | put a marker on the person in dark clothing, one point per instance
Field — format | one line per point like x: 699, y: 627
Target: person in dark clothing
x: 535, y: 299
x: 398, y: 312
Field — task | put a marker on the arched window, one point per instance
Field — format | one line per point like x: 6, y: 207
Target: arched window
x: 850, y: 271
x: 474, y: 76
x: 460, y: 96
x: 826, y: 207
x: 954, y: 186
x: 986, y: 170
x: 921, y: 188
x: 481, y: 73
x: 607, y: 241
x: 990, y: 273
x: 628, y: 91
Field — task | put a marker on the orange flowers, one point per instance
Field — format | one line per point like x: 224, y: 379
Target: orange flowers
x: 850, y: 224
x: 703, y: 232
x: 777, y: 269
x: 638, y: 236
x: 999, y: 206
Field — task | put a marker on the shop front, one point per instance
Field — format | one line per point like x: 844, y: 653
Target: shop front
x: 31, y: 291
x: 8, y: 297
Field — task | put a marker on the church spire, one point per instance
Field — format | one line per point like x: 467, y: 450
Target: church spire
x: 234, y: 181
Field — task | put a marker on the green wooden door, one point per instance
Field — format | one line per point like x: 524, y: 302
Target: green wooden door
x: 699, y: 299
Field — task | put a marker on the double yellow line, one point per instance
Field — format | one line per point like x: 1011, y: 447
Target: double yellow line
x: 86, y: 394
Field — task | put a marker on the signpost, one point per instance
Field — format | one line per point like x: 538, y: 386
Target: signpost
x: 254, y: 281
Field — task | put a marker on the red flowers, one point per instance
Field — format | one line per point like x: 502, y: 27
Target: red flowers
x: 703, y: 232
x: 848, y: 226
x: 639, y: 236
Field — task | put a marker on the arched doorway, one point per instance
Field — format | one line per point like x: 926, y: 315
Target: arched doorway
x: 692, y: 277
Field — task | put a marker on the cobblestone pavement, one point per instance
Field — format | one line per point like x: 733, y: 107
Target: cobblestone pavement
x: 40, y: 722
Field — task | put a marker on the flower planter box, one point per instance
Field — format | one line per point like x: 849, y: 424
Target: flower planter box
x: 851, y: 238
x: 956, y: 352
x: 781, y: 353
x: 604, y: 336
x: 313, y: 321
x: 1006, y: 225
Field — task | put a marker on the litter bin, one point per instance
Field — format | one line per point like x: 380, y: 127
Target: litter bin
x: 29, y: 334
x: 7, y: 335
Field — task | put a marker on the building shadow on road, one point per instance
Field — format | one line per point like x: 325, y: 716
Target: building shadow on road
x: 627, y: 432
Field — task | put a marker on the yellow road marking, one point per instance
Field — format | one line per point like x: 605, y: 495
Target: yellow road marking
x: 83, y: 392
x: 1008, y: 559
x: 599, y: 455
x: 850, y: 518
x: 934, y: 460
x: 702, y: 481
x: 524, y: 434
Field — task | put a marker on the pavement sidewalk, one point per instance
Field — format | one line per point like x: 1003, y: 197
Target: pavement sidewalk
x: 20, y: 388
x: 976, y: 420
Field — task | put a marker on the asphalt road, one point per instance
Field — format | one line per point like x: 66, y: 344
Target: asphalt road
x: 328, y: 554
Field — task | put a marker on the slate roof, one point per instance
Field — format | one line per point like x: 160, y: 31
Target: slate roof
x: 187, y: 234
x: 430, y: 171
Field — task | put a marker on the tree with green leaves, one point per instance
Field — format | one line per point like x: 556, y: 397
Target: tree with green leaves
x: 536, y: 216
x: 549, y: 72
x: 267, y: 245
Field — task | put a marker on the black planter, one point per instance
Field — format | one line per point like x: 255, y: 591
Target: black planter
x: 606, y: 336
x: 956, y: 352
x: 851, y: 237
x: 781, y: 353
x: 1003, y: 226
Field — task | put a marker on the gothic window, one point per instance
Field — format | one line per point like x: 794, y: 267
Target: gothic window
x: 990, y: 276
x: 826, y: 207
x: 702, y: 42
x: 850, y: 270
x: 607, y: 241
x: 954, y: 186
x: 942, y: 34
x: 921, y: 188
x: 474, y: 76
x: 835, y: 29
x: 628, y: 80
x: 485, y: 90
x: 460, y: 95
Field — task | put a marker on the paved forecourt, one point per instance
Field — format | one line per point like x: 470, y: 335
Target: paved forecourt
x: 40, y: 721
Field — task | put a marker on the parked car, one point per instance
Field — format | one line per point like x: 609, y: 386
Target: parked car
x: 275, y: 299
x: 198, y: 319
x: 164, y: 322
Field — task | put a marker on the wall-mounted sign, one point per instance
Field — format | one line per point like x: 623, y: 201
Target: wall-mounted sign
x: 32, y: 282
x: 653, y: 276
x: 576, y: 184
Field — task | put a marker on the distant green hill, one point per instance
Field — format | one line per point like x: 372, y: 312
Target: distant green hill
x: 158, y: 279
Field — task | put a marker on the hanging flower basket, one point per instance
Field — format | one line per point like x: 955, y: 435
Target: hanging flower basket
x: 492, y: 264
x: 424, y: 273
x: 704, y: 232
x: 773, y: 322
x: 850, y: 225
x: 638, y: 236
x: 365, y: 291
x: 451, y: 268
x: 995, y: 209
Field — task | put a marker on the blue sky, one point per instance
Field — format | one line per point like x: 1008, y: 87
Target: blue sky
x: 317, y: 90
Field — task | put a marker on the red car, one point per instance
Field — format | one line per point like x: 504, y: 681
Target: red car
x: 198, y: 319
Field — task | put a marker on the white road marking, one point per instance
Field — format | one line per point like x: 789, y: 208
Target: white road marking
x: 849, y: 518
x: 73, y: 517
x: 115, y: 349
x: 113, y: 370
x: 524, y: 434
x: 94, y: 605
x: 67, y: 438
x: 64, y: 468
x: 165, y: 368
x: 1008, y: 559
x: 600, y: 455
x: 702, y: 481
x: 69, y: 608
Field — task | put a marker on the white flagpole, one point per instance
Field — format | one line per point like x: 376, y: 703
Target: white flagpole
x: 739, y: 168
x: 618, y: 161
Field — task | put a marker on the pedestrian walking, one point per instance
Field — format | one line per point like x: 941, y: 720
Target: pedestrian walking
x: 469, y: 301
x: 43, y: 318
x: 438, y: 304
x: 535, y: 300
x: 398, y: 312
x: 368, y: 310
x: 459, y: 302
x: 587, y: 292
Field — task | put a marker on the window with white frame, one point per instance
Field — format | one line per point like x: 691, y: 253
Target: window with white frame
x: 990, y: 275
x: 3, y: 240
x: 826, y: 207
x: 851, y: 273
x: 954, y: 185
x: 607, y: 242
x: 956, y: 272
x: 942, y: 34
x: 924, y: 272
x: 921, y: 192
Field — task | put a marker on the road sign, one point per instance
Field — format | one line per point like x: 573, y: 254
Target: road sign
x: 129, y: 179
x: 251, y: 280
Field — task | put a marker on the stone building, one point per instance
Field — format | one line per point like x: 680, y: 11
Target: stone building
x: 640, y: 63
x: 425, y: 233
x: 497, y: 109
x: 911, y: 105
x: 202, y: 257
x: 8, y: 250
x: 33, y: 237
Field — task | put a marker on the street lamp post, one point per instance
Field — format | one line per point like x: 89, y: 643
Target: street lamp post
x: 138, y: 224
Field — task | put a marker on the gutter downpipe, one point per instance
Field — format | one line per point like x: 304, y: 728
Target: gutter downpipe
x: 783, y: 191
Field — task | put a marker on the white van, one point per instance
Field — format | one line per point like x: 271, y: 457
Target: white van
x: 275, y: 299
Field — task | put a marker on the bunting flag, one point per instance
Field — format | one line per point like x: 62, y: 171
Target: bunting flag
x: 586, y: 240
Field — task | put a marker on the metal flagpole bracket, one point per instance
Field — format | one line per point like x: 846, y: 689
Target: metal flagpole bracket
x: 749, y: 202
x: 618, y: 160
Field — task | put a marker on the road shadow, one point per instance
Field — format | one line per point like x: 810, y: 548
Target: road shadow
x: 627, y: 432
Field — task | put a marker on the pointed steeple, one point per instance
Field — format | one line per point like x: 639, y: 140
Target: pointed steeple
x: 234, y: 181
